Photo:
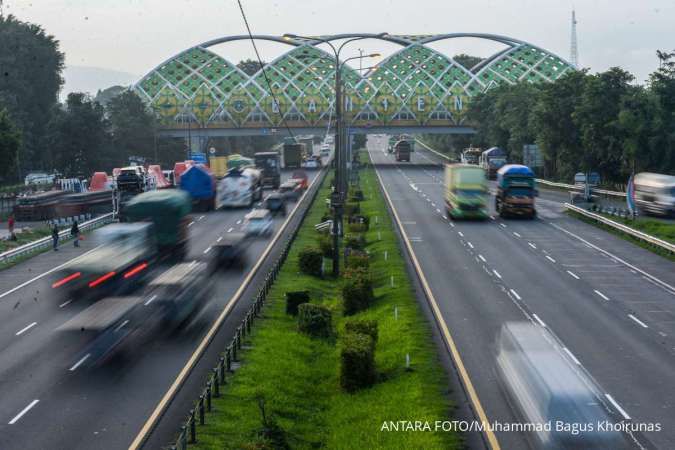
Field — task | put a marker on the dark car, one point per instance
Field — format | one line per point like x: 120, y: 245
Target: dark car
x: 276, y: 204
x: 291, y: 190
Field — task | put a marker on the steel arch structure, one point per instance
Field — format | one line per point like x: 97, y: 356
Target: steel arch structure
x: 415, y: 88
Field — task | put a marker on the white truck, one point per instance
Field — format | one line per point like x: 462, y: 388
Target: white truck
x: 240, y: 187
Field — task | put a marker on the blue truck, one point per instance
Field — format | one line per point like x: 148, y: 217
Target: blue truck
x: 200, y: 183
x: 516, y: 190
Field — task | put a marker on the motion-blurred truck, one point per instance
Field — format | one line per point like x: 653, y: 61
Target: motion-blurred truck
x: 293, y: 155
x: 492, y: 160
x: 465, y: 191
x: 269, y: 164
x: 240, y: 187
x: 470, y: 155
x: 516, y: 190
x: 655, y: 193
x: 403, y: 149
x: 199, y: 182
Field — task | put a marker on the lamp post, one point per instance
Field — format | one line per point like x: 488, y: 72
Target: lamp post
x: 338, y: 196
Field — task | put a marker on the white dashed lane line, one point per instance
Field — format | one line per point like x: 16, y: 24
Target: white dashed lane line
x: 190, y: 224
x: 470, y: 244
x: 230, y: 230
x: 208, y: 249
x: 532, y: 245
x: 502, y: 225
x: 497, y: 274
x: 572, y: 274
x: 541, y: 322
x: 66, y: 303
x: 26, y: 328
x: 515, y: 294
x: 550, y: 259
x: 150, y: 300
x: 603, y: 296
x: 80, y: 362
x: 23, y: 412
x: 460, y: 233
x: 516, y: 234
x: 219, y: 239
x: 481, y: 258
x: 638, y: 321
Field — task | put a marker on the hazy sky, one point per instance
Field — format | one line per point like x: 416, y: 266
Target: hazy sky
x: 136, y: 35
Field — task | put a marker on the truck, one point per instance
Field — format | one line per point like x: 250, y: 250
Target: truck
x: 655, y: 193
x: 218, y: 165
x: 269, y: 164
x: 465, y: 191
x: 491, y: 160
x: 470, y: 155
x: 293, y: 155
x: 199, y: 182
x: 403, y: 149
x: 516, y: 190
x: 240, y: 187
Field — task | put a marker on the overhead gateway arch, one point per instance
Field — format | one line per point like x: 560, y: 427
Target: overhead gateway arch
x: 415, y: 89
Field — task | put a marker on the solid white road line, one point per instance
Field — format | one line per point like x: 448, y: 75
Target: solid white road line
x: 150, y: 300
x: 23, y: 330
x: 550, y: 259
x: 481, y: 258
x: 541, y: 322
x: 569, y: 353
x: 638, y: 321
x: 573, y: 274
x: 80, y: 362
x: 515, y: 294
x: 532, y: 245
x: 66, y: 303
x: 497, y: 274
x: 23, y: 411
x: 603, y: 296
x: 208, y: 249
x: 618, y: 407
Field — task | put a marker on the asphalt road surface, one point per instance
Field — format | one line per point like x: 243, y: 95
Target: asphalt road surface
x: 612, y: 304
x: 51, y: 399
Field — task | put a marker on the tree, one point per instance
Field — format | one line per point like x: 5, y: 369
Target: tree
x: 133, y: 128
x: 467, y: 61
x: 104, y: 96
x: 78, y: 137
x: 10, y: 141
x: 250, y: 66
x: 29, y: 84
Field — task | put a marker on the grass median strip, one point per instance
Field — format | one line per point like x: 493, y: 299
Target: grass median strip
x: 295, y: 378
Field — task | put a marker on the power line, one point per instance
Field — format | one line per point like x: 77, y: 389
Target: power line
x: 262, y: 68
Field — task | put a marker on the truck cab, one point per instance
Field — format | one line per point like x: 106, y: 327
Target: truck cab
x: 269, y: 164
x: 403, y: 149
x: 516, y: 191
x: 465, y: 191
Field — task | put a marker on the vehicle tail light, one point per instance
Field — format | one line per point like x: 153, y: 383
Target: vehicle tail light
x: 135, y: 270
x: 101, y: 279
x: 63, y: 281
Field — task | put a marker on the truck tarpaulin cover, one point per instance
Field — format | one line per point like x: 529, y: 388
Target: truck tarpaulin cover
x: 513, y: 170
x: 165, y: 208
x: 494, y: 152
x: 198, y: 181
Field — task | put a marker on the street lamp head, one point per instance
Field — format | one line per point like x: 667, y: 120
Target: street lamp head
x: 374, y: 55
x: 289, y: 37
x: 381, y: 35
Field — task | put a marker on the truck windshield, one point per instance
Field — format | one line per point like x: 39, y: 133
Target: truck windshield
x: 469, y: 192
x: 522, y: 192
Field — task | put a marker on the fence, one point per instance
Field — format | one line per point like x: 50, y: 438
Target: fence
x: 217, y: 377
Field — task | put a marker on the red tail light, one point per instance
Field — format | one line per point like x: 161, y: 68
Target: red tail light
x: 101, y: 279
x: 63, y: 281
x: 135, y: 270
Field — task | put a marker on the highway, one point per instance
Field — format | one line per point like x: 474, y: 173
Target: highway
x: 51, y: 397
x: 610, y: 303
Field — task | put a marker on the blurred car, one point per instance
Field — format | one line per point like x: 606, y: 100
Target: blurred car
x: 325, y: 149
x: 258, y: 223
x: 302, y: 178
x: 290, y: 190
x: 545, y: 387
x: 276, y: 204
x: 230, y: 252
x: 312, y: 162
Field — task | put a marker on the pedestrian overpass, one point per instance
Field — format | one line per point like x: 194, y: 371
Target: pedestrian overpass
x: 416, y: 89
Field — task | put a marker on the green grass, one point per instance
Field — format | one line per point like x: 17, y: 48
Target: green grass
x: 298, y: 376
x: 657, y: 228
x: 24, y: 237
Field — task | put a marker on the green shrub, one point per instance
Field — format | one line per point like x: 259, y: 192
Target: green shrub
x: 315, y: 320
x: 357, y: 196
x: 295, y: 299
x: 363, y: 326
x: 357, y: 362
x: 357, y: 258
x: 357, y: 290
x: 310, y: 261
x: 326, y: 245
x: 352, y: 208
x: 357, y: 227
x: 355, y: 241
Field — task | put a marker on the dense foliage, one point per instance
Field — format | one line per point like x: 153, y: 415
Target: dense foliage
x: 10, y: 140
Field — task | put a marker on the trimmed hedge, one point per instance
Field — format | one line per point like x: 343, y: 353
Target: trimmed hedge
x: 352, y: 208
x: 357, y: 362
x: 315, y: 320
x: 326, y: 245
x: 357, y: 290
x: 363, y: 326
x: 355, y: 241
x: 295, y: 299
x: 310, y: 261
x: 356, y: 259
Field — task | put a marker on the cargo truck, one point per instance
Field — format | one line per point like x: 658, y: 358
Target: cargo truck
x: 218, y: 165
x: 403, y: 149
x: 293, y: 155
x: 470, y: 155
x: 199, y: 182
x: 491, y: 160
x: 516, y: 190
x: 465, y: 191
x: 240, y: 187
x: 269, y: 164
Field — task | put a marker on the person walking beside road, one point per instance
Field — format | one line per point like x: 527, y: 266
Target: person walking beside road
x: 55, y: 237
x: 10, y: 228
x: 75, y: 233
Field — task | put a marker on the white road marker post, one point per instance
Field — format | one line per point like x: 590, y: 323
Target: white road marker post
x: 386, y: 255
x: 395, y: 312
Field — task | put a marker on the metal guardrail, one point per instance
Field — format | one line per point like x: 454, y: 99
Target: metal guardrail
x: 667, y: 246
x: 217, y: 377
x: 44, y: 242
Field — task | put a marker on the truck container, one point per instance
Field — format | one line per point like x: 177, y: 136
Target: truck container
x: 465, y: 191
x: 491, y: 160
x: 240, y: 187
x: 199, y: 182
x: 293, y: 155
x: 655, y: 193
x: 403, y: 149
x: 516, y: 190
x: 218, y: 165
x: 269, y: 164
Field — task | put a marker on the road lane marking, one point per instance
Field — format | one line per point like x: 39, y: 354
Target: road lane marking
x: 516, y: 234
x: 23, y: 330
x: 445, y: 217
x: 573, y: 274
x: 80, y: 362
x: 208, y: 249
x: 219, y: 239
x: 454, y: 351
x: 191, y: 223
x: 550, y: 259
x: 200, y: 217
x: 460, y: 233
x: 574, y: 358
x: 239, y: 222
x: 452, y: 225
x: 66, y: 303
x: 502, y: 225
x: 150, y: 300
x: 638, y: 321
x: 230, y: 230
x: 120, y: 326
x: 23, y: 411
x: 603, y: 296
x: 532, y: 245
x: 497, y: 274
x: 618, y: 407
x: 438, y: 210
x: 470, y: 244
x: 481, y: 258
x: 515, y: 294
x: 541, y: 322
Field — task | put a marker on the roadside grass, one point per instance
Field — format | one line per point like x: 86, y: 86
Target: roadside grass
x: 656, y: 228
x: 24, y: 237
x: 298, y: 377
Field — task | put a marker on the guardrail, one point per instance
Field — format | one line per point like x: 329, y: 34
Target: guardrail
x: 217, y: 378
x: 47, y: 241
x: 667, y: 246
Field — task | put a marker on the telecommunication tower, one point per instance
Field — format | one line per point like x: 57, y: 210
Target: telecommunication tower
x: 574, y: 49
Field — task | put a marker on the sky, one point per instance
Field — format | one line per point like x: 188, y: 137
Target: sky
x: 134, y: 36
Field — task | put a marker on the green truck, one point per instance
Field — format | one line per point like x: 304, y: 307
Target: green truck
x: 293, y: 154
x: 465, y: 191
x: 516, y: 190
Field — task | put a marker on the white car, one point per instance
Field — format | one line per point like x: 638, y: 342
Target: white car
x: 258, y: 223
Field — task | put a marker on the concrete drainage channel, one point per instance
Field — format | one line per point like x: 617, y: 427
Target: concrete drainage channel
x: 227, y: 360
